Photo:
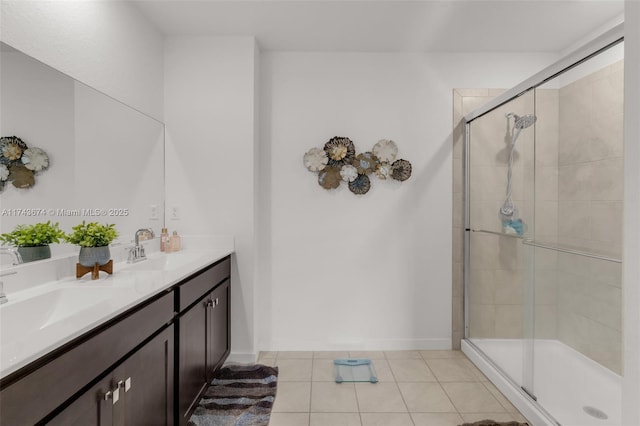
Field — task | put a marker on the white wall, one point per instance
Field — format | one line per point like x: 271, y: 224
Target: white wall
x: 631, y: 267
x: 105, y: 44
x: 374, y: 271
x: 210, y: 151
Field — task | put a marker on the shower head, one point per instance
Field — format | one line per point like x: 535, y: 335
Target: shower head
x: 522, y: 122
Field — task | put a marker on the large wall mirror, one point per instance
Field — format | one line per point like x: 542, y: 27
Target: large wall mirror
x: 106, y: 159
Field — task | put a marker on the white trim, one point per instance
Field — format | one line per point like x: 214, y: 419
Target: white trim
x: 241, y: 358
x: 362, y: 345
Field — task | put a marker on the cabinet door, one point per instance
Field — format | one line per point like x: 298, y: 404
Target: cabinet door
x: 137, y: 392
x: 192, y: 377
x: 146, y: 385
x: 218, y: 321
x: 96, y: 407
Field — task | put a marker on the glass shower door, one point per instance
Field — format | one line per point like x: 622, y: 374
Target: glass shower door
x: 500, y: 165
x: 577, y: 242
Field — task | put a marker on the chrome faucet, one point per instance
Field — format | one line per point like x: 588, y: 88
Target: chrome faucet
x: 136, y: 253
x: 17, y: 258
x: 3, y: 296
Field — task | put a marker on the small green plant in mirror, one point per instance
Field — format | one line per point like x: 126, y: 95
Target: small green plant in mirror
x: 92, y: 234
x: 39, y: 234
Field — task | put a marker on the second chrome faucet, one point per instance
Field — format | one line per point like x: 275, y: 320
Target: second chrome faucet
x: 136, y: 253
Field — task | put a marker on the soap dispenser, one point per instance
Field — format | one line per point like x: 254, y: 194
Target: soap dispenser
x: 175, y: 241
x: 164, y: 239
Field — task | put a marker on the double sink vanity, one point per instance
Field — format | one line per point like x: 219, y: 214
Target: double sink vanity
x: 134, y: 348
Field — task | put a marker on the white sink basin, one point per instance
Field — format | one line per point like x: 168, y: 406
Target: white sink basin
x: 163, y: 262
x: 39, y: 313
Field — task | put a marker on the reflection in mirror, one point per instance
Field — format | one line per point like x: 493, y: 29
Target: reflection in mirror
x: 106, y: 159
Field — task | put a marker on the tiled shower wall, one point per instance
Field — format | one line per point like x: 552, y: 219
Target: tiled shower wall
x: 578, y: 189
x: 590, y: 190
x: 464, y: 101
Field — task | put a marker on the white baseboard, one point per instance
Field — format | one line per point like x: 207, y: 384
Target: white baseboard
x: 241, y: 358
x: 361, y: 345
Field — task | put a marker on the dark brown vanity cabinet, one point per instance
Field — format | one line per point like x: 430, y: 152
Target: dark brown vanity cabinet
x: 203, y: 334
x: 73, y: 382
x: 218, y: 333
x: 147, y: 366
x: 137, y: 392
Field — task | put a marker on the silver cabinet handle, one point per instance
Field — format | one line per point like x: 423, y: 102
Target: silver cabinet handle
x: 113, y: 395
x: 217, y: 301
x: 127, y: 384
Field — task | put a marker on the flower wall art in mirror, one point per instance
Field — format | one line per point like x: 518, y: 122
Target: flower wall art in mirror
x: 19, y: 163
x: 337, y: 162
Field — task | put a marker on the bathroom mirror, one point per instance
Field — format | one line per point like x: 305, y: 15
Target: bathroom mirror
x: 106, y: 159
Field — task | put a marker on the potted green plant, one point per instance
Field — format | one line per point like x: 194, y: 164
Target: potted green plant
x: 32, y: 241
x: 93, y: 239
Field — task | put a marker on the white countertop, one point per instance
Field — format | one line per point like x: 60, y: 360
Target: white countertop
x: 42, y: 318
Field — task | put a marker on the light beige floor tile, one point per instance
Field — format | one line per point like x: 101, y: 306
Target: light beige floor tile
x: 500, y: 397
x: 335, y: 419
x: 451, y: 370
x: 330, y: 354
x: 294, y: 369
x: 426, y: 398
x: 267, y: 360
x: 436, y: 419
x: 323, y: 370
x: 518, y: 417
x: 379, y: 398
x: 472, y: 398
x: 402, y: 354
x: 386, y: 419
x: 295, y: 355
x: 333, y: 397
x: 383, y: 371
x: 367, y: 354
x: 292, y: 397
x: 411, y: 370
x: 289, y: 419
x: 476, y: 371
x: 498, y: 417
x: 442, y: 354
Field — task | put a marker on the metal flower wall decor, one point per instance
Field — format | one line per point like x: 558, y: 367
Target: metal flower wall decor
x: 19, y: 163
x: 338, y: 162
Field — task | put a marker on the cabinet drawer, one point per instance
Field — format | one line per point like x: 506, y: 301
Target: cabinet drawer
x: 202, y: 283
x: 32, y: 397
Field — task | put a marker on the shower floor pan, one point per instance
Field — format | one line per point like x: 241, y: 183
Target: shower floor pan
x: 567, y: 384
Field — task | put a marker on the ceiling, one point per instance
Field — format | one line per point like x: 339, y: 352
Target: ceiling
x: 391, y: 25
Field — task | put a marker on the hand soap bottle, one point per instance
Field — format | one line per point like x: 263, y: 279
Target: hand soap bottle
x: 164, y: 239
x: 175, y: 242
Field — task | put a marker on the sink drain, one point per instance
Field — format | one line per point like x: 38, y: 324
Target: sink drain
x: 594, y: 412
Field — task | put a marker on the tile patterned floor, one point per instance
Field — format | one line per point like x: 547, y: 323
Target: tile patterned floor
x: 416, y: 388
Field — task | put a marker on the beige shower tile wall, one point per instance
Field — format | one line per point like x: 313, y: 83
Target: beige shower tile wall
x: 498, y: 272
x: 590, y: 196
x: 546, y: 212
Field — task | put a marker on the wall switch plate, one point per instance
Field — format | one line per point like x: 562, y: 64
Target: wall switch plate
x: 174, y: 212
x: 153, y: 212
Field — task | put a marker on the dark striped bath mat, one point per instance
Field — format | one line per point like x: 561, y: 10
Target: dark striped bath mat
x: 239, y: 395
